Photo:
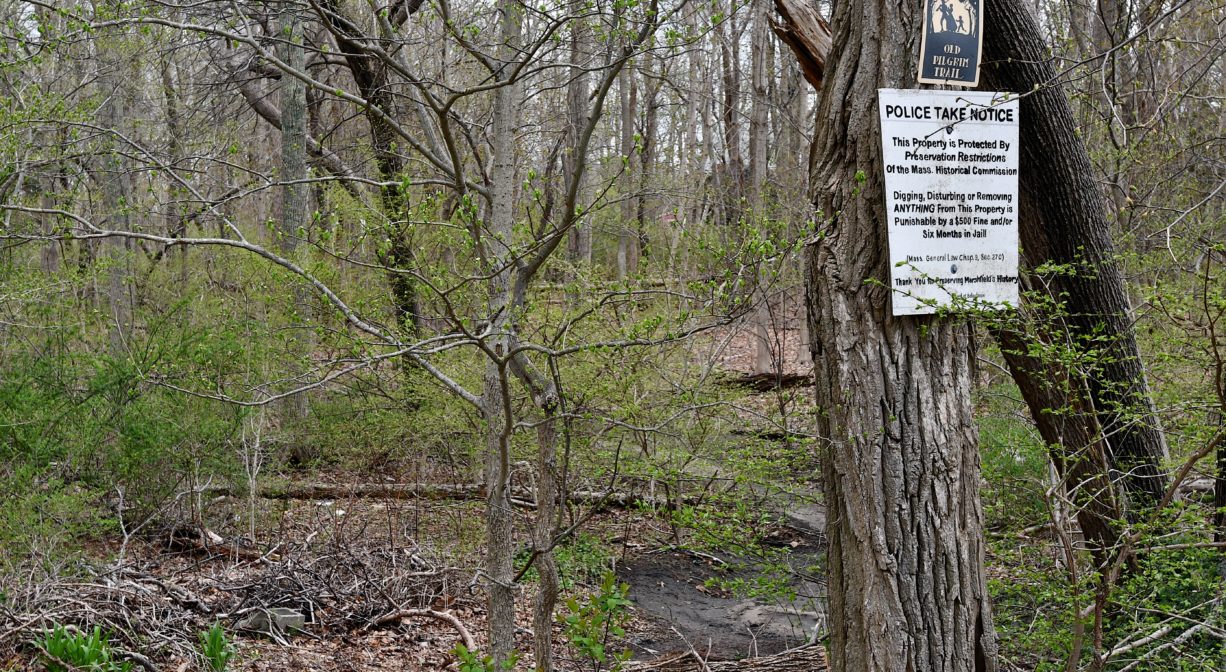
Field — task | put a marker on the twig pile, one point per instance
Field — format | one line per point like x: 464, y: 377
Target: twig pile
x: 340, y: 585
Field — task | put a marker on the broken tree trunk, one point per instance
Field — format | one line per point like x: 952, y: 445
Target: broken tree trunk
x: 807, y: 34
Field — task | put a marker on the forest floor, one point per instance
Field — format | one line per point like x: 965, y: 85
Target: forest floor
x: 336, y: 564
x: 348, y: 564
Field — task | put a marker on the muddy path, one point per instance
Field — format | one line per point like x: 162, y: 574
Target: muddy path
x: 681, y: 602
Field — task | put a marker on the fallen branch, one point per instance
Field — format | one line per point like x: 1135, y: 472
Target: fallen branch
x: 808, y: 658
x: 465, y: 635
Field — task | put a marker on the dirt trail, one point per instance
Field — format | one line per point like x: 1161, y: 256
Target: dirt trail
x: 669, y: 592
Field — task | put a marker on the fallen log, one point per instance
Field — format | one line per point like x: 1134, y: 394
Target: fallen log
x: 315, y: 491
x: 765, y: 382
x: 809, y: 658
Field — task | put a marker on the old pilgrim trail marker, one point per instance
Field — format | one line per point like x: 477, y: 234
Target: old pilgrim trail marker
x: 951, y: 42
x: 951, y: 165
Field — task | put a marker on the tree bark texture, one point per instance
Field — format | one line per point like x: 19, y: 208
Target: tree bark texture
x: 1063, y: 221
x: 1100, y: 427
x: 900, y: 456
x: 808, y: 36
x: 295, y: 194
x: 543, y: 534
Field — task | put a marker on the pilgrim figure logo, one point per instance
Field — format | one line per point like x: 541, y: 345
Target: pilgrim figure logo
x: 952, y: 16
x: 947, y: 17
x: 951, y: 42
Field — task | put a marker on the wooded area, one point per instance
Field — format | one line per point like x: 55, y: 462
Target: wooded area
x: 481, y: 335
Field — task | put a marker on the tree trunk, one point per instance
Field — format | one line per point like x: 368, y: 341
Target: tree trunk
x: 176, y: 222
x: 374, y: 79
x: 644, y: 195
x: 579, y: 240
x: 759, y: 105
x: 543, y: 535
x: 1112, y: 432
x: 1062, y: 221
x: 764, y: 355
x: 295, y: 207
x: 496, y: 402
x: 627, y: 232
x: 733, y: 184
x: 114, y: 172
x: 900, y: 462
x: 294, y: 194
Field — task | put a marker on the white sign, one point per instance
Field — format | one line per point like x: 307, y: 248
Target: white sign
x: 951, y: 198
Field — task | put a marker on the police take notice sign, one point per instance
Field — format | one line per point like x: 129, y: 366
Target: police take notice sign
x: 951, y: 42
x: 951, y: 166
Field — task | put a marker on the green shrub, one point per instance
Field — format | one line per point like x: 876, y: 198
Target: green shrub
x: 591, y: 624
x: 216, y: 648
x: 473, y: 661
x: 65, y: 651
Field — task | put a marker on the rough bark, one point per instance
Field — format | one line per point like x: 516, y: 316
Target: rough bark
x: 543, y: 534
x: 900, y: 461
x: 1063, y: 221
x: 759, y: 105
x: 176, y: 223
x: 764, y: 356
x: 732, y: 185
x: 324, y: 157
x: 1109, y: 432
x: 114, y: 173
x: 645, y: 195
x: 294, y: 193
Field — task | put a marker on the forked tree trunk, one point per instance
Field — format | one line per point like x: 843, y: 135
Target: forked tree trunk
x: 374, y: 79
x: 900, y: 461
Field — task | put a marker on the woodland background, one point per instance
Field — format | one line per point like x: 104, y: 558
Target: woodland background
x: 420, y: 318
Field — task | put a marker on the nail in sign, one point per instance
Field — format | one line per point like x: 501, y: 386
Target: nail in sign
x: 952, y: 42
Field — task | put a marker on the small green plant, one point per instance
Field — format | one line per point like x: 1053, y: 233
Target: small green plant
x: 64, y: 651
x: 473, y: 661
x: 216, y: 647
x: 589, y: 625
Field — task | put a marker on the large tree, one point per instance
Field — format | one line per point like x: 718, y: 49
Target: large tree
x: 899, y: 448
